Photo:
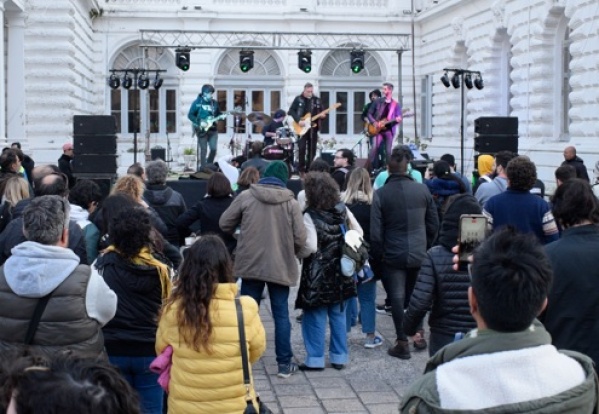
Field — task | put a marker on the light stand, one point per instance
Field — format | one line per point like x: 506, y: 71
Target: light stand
x: 459, y: 83
x: 136, y: 72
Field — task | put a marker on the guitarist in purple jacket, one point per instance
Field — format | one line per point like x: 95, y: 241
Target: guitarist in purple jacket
x: 384, y: 115
x: 203, y: 114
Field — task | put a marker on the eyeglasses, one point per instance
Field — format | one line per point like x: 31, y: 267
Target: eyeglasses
x: 338, y: 157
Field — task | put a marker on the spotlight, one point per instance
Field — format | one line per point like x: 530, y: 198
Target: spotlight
x: 304, y: 61
x: 182, y: 58
x: 143, y: 81
x: 357, y: 61
x: 445, y: 80
x: 478, y: 82
x: 246, y: 60
x: 114, y: 81
x: 468, y: 81
x: 455, y: 80
x: 158, y: 82
x: 127, y: 81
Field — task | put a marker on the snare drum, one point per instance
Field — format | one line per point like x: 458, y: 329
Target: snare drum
x: 274, y: 152
x: 284, y: 136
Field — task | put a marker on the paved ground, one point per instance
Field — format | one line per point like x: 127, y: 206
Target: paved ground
x: 373, y: 382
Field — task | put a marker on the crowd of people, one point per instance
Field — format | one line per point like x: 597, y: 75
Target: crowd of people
x: 104, y: 307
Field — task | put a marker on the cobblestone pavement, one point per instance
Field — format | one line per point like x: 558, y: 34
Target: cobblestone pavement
x: 373, y: 382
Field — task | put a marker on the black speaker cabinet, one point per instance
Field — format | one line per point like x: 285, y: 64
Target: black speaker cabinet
x: 490, y: 144
x: 497, y: 125
x: 94, y: 124
x: 95, y: 144
x: 158, y: 153
x: 104, y: 181
x: 99, y: 164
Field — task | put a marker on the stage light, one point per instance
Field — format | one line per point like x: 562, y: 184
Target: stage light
x: 182, y: 58
x: 304, y: 61
x: 114, y: 81
x: 143, y: 81
x: 445, y: 80
x: 455, y: 80
x: 357, y: 61
x: 478, y: 82
x: 158, y: 82
x: 246, y: 60
x: 468, y: 81
x: 127, y: 81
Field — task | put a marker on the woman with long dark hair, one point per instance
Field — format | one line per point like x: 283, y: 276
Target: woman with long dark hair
x: 199, y: 322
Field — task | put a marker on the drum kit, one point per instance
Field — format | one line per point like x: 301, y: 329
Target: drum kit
x: 285, y: 139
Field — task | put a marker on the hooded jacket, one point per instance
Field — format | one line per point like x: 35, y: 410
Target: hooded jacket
x: 169, y: 204
x: 80, y: 301
x: 578, y: 164
x: 440, y: 288
x: 89, y: 229
x: 272, y: 231
x: 504, y: 373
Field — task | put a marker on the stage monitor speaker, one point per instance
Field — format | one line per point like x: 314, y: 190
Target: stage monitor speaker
x: 361, y: 162
x: 104, y: 181
x: 94, y: 124
x: 98, y: 164
x: 94, y: 144
x: 497, y: 125
x: 491, y: 144
x: 329, y: 157
x: 156, y: 153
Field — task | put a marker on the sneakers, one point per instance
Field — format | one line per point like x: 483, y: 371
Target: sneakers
x: 287, y: 370
x: 304, y: 367
x: 419, y: 341
x: 383, y: 309
x: 373, y: 342
x: 401, y: 350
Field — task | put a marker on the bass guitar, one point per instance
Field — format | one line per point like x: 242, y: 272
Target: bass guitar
x: 383, y: 125
x: 308, y: 120
x: 205, y: 124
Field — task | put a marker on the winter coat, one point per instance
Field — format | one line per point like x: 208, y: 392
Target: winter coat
x: 132, y: 332
x: 504, y: 373
x: 91, y: 234
x: 80, y: 301
x: 322, y: 283
x: 578, y: 164
x: 272, y: 231
x: 403, y: 222
x: 169, y: 204
x: 203, y: 382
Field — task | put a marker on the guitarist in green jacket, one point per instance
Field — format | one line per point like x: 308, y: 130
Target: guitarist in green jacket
x: 203, y: 114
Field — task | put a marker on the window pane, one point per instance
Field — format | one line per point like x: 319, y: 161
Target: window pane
x: 341, y: 114
x: 154, y: 103
x: 275, y: 101
x: 239, y: 100
x: 171, y: 100
x: 154, y: 122
x: 171, y: 111
x: 133, y: 111
x: 359, y: 103
x: 257, y: 106
x: 115, y: 105
x: 358, y: 123
x: 325, y: 98
x: 171, y: 122
x: 221, y: 98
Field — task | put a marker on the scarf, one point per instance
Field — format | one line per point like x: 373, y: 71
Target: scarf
x: 145, y: 258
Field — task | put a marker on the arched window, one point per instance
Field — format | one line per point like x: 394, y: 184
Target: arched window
x: 260, y: 90
x: 339, y: 84
x: 149, y: 110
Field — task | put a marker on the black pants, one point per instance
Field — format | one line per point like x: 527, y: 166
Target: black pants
x: 307, y: 149
x: 394, y: 281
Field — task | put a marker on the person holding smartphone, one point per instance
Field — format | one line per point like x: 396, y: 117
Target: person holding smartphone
x: 439, y: 288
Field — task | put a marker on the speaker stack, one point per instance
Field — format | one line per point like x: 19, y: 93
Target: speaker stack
x: 494, y: 134
x: 94, y: 141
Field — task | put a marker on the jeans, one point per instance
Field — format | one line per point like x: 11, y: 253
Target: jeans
x: 351, y: 313
x: 366, y: 297
x: 206, y: 139
x: 438, y: 341
x: 136, y: 370
x: 385, y: 137
x: 314, y: 324
x: 394, y: 281
x: 279, y: 296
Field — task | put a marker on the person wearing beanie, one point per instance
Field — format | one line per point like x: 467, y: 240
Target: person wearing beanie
x: 271, y: 233
x: 485, y: 171
x: 439, y: 288
x: 270, y: 130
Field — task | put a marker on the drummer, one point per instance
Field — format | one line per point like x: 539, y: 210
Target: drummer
x: 270, y: 130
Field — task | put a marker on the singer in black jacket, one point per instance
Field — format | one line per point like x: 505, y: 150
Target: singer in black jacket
x: 305, y: 103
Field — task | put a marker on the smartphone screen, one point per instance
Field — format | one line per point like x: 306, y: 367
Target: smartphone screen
x: 472, y: 232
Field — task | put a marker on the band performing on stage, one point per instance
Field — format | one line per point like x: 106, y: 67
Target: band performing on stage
x: 296, y: 130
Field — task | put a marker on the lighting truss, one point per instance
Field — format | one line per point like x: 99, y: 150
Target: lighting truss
x: 274, y: 40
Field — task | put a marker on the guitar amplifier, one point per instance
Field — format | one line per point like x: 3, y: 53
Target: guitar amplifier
x: 94, y: 144
x: 94, y: 125
x: 101, y: 164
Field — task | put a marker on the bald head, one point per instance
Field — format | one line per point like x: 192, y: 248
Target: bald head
x: 569, y: 153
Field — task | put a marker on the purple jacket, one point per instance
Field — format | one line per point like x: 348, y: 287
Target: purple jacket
x: 376, y: 110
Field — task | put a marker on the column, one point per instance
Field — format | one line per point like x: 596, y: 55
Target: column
x: 15, y: 106
x: 2, y: 77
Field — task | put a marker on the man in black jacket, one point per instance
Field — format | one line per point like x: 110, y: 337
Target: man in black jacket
x: 305, y: 103
x: 570, y: 158
x: 403, y: 225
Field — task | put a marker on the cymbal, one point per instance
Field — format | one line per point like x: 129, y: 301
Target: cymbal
x: 259, y: 118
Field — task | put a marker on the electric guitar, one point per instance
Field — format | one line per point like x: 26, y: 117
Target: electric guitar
x: 379, y: 126
x: 205, y: 124
x: 308, y: 120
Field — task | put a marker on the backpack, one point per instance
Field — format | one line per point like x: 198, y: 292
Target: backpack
x: 354, y: 256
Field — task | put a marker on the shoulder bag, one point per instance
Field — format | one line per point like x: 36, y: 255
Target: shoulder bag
x: 249, y: 409
x: 35, y: 319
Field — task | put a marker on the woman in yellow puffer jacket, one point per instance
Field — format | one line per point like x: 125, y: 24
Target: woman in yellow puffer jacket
x: 199, y: 322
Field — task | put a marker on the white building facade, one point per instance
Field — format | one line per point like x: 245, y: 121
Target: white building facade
x: 539, y: 61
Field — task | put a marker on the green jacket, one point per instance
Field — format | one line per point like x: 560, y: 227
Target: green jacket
x: 423, y: 396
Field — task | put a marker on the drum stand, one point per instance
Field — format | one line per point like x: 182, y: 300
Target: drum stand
x: 235, y: 140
